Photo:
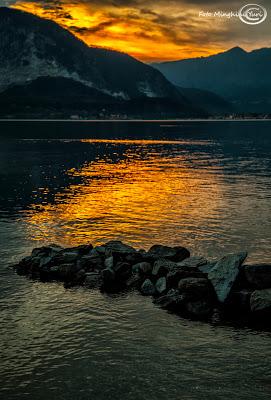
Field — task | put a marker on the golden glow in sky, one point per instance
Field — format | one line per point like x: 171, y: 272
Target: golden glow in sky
x: 150, y: 31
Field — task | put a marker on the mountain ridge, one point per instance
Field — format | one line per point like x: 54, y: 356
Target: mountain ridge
x: 39, y: 60
x: 40, y: 47
x: 241, y: 77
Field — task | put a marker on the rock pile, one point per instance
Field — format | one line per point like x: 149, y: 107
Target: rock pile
x: 189, y: 286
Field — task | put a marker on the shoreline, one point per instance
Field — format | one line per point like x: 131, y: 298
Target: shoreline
x: 136, y: 120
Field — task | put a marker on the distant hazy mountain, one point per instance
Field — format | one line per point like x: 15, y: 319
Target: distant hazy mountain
x: 208, y: 101
x: 241, y: 77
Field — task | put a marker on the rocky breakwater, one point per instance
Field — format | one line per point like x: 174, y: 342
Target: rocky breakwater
x: 188, y: 285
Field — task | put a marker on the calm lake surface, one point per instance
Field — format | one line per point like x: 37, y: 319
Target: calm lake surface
x: 205, y: 185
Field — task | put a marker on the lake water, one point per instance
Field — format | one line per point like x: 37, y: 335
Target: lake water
x: 203, y: 185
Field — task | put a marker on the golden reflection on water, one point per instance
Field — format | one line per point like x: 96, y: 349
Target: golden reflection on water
x: 136, y: 199
x: 141, y: 142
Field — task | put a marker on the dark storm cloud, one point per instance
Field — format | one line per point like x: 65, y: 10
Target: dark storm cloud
x: 95, y: 29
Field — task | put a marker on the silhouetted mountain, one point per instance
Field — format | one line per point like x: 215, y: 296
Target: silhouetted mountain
x: 63, y: 97
x: 32, y: 47
x: 241, y: 77
x: 47, y: 95
x: 58, y: 88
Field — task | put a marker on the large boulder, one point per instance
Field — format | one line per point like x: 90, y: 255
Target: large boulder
x: 196, y: 288
x: 109, y: 277
x: 181, y: 272
x: 260, y: 301
x: 148, y: 288
x: 39, y: 261
x: 93, y: 280
x: 134, y: 258
x: 123, y: 271
x: 258, y: 275
x: 199, y: 297
x: 65, y: 257
x: 224, y: 274
x: 143, y: 268
x: 118, y: 249
x: 161, y: 285
x: 81, y: 250
x: 63, y: 272
x: 206, y: 268
x: 176, y: 254
x: 162, y: 267
x: 109, y: 262
x: 28, y: 265
x: 199, y: 309
x: 100, y: 250
x: 91, y: 261
x: 49, y: 251
x: 193, y: 262
x: 239, y: 300
x: 173, y: 300
x: 134, y: 281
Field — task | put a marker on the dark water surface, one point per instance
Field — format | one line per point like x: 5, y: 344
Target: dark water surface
x: 206, y: 186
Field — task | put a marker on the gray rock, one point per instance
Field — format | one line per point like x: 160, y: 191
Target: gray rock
x: 63, y: 271
x: 23, y: 266
x: 217, y: 316
x: 193, y: 262
x: 161, y: 285
x: 109, y: 262
x: 117, y: 248
x: 80, y: 250
x: 50, y: 250
x: 65, y: 257
x: 55, y: 269
x: 123, y: 270
x: 148, y: 288
x: 109, y: 276
x: 93, y: 280
x: 173, y: 300
x: 42, y: 258
x: 260, y: 301
x: 100, y: 250
x: 177, y: 253
x: 93, y: 261
x: 196, y: 288
x: 224, y: 274
x: 199, y: 297
x: 173, y: 292
x: 143, y: 268
x: 80, y: 276
x: 162, y: 266
x: 134, y: 281
x: 239, y: 300
x: 207, y: 267
x: 134, y: 258
x: 181, y: 272
x: 199, y: 309
x: 45, y: 262
x: 258, y: 275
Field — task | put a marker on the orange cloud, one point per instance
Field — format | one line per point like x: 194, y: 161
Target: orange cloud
x: 151, y: 30
x: 143, y: 34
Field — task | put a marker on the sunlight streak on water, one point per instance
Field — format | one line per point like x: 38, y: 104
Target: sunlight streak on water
x: 172, y: 192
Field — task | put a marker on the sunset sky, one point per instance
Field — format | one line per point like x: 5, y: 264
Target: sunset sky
x: 154, y: 30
